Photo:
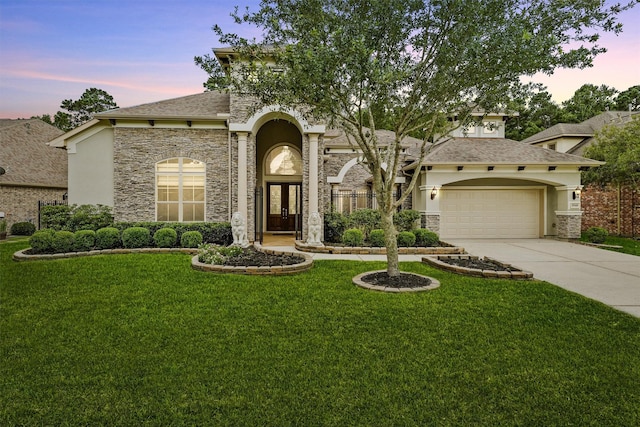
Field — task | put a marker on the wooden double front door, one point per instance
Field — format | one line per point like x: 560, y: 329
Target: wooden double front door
x: 284, y: 206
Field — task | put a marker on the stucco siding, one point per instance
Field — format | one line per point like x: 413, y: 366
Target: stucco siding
x: 91, y: 170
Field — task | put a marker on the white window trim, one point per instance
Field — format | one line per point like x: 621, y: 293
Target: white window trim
x: 180, y: 174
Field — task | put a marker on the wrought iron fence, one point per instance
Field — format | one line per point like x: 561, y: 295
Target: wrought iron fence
x: 347, y: 201
x: 43, y: 203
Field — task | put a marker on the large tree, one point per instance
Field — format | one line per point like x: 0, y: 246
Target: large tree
x: 417, y: 61
x: 618, y: 146
x: 77, y: 112
x: 589, y: 101
x: 536, y: 112
x: 629, y: 100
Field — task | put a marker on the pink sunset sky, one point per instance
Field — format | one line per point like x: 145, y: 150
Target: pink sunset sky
x: 142, y: 51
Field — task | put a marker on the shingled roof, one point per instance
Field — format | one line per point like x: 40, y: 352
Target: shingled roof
x: 584, y: 129
x: 201, y: 106
x: 462, y: 151
x: 27, y: 158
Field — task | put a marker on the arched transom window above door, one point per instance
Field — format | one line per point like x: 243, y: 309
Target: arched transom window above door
x: 283, y: 160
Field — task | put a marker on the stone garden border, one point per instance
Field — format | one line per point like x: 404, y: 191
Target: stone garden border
x: 359, y: 282
x: 195, y: 264
x: 434, y: 261
x: 22, y: 256
x: 368, y: 250
x: 276, y: 270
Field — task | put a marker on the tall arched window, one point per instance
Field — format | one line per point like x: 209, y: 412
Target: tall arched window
x: 180, y: 190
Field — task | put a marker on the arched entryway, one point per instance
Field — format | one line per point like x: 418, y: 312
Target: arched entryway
x: 279, y: 166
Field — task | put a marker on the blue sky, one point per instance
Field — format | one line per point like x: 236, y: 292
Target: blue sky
x: 142, y: 51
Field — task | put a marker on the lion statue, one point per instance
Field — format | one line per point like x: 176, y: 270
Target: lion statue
x: 238, y: 230
x: 315, y: 229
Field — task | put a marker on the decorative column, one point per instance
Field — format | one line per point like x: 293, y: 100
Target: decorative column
x: 242, y: 173
x: 568, y: 213
x: 314, y: 221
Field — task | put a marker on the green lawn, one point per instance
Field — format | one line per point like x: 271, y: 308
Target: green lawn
x: 629, y: 246
x: 142, y: 339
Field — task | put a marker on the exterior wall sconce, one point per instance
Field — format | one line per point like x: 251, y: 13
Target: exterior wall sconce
x: 434, y: 193
x: 577, y: 192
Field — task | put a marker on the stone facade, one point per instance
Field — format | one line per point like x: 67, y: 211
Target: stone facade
x: 20, y: 204
x: 568, y: 225
x: 430, y: 222
x: 136, y: 152
x: 617, y: 210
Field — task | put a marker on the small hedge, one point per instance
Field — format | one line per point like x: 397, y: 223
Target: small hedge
x: 23, y: 229
x: 63, y: 241
x: 353, y: 237
x: 406, y: 239
x: 596, y: 234
x: 136, y: 237
x: 376, y: 238
x: 42, y: 241
x: 165, y: 238
x: 107, y: 238
x: 191, y: 239
x: 426, y: 237
x: 218, y: 233
x: 85, y: 240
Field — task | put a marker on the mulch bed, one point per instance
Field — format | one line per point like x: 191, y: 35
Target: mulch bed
x: 479, y: 264
x: 250, y: 257
x: 402, y: 281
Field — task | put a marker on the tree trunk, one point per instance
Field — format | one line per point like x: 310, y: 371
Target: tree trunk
x: 391, y: 243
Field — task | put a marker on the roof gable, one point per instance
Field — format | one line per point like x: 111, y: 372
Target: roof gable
x: 495, y: 151
x: 27, y: 158
x: 206, y: 105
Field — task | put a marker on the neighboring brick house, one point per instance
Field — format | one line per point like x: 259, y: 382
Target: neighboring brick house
x: 206, y: 156
x: 33, y: 170
x: 617, y: 209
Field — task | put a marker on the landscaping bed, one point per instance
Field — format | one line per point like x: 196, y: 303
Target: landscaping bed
x: 404, y: 282
x: 332, y: 248
x: 477, y: 267
x: 257, y: 261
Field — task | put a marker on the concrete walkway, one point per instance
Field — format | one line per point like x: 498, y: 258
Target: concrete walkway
x: 606, y: 276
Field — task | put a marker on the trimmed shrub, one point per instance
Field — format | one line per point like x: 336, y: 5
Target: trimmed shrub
x: 63, y: 241
x: 218, y: 233
x: 426, y: 237
x: 191, y: 239
x: 334, y: 226
x: 165, y: 238
x: 406, y: 220
x: 136, y: 237
x: 55, y: 217
x: 376, y: 238
x: 406, y: 239
x: 23, y: 229
x: 42, y: 241
x: 365, y: 220
x: 353, y: 237
x: 596, y: 234
x: 89, y: 217
x: 107, y: 238
x: 84, y: 241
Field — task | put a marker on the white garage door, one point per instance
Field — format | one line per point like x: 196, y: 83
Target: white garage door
x: 490, y: 213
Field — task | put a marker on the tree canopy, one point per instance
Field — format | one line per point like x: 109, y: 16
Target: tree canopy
x: 415, y: 62
x: 92, y: 101
x: 619, y: 147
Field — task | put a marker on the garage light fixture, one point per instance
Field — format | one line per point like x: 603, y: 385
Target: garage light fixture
x: 434, y: 193
x: 576, y: 193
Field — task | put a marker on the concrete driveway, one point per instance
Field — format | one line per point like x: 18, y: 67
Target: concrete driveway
x: 606, y: 276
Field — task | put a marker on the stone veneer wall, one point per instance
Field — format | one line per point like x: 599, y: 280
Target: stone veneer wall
x: 20, y: 204
x: 136, y: 152
x: 615, y: 210
x: 569, y: 226
x: 430, y: 222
